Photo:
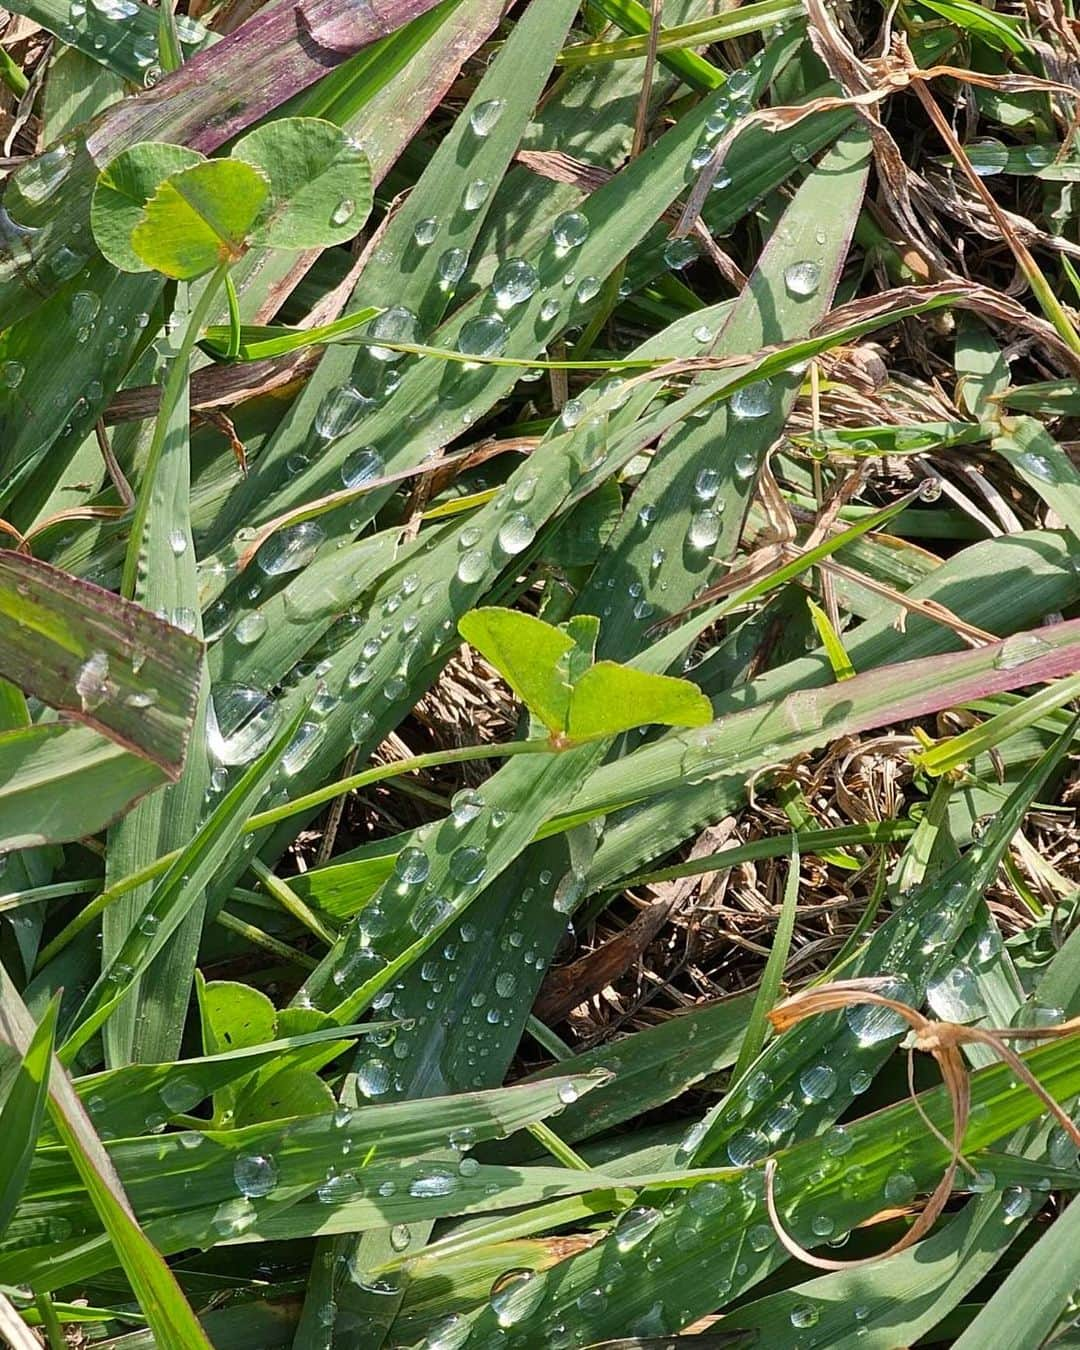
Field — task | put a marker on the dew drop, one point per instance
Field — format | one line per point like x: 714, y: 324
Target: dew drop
x: 476, y: 194
x: 396, y: 324
x: 290, y: 549
x: 752, y: 401
x: 588, y: 288
x: 343, y: 212
x: 516, y: 533
x: 339, y: 412
x: 569, y: 231
x: 679, y: 253
x: 255, y: 1174
x: 802, y: 278
x: 361, y: 466
x: 516, y: 1295
x: 514, y: 282
x: 635, y: 1225
x: 483, y: 335
x: 485, y: 116
x: 424, y: 231
x: 373, y: 1077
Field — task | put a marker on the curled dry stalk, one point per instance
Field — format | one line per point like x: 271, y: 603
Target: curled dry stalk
x: 943, y: 1040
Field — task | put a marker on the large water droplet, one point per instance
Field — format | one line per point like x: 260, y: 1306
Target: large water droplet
x: 514, y: 282
x: 250, y: 627
x: 515, y: 1295
x: 255, y: 1174
x: 451, y: 267
x: 818, y: 1083
x: 361, y: 466
x: 988, y: 156
x: 516, y: 533
x: 704, y: 529
x: 752, y: 401
x: 343, y: 212
x: 290, y: 549
x: 679, y: 253
x: 396, y: 324
x: 569, y: 231
x: 92, y: 681
x: 373, y: 1077
x: 467, y: 865
x: 635, y: 1225
x: 802, y: 278
x: 424, y: 231
x: 483, y: 335
x: 412, y: 866
x: 340, y: 410
x: 476, y: 194
x: 240, y: 724
x: 485, y: 116
x: 1019, y: 649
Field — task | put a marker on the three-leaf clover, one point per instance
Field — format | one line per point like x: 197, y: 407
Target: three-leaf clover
x: 553, y: 672
x: 296, y: 183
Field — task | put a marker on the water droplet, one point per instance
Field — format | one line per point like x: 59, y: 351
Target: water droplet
x: 451, y: 267
x: 373, y: 1077
x: 804, y: 1315
x: 872, y: 1023
x: 569, y: 231
x: 301, y: 749
x: 707, y: 484
x: 233, y: 1217
x: 340, y: 410
x: 572, y: 413
x: 485, y: 116
x: 1015, y: 1202
x: 178, y: 542
x: 467, y: 865
x: 432, y: 1184
x: 514, y: 282
x: 240, y: 724
x: 412, y: 866
x: 567, y: 1094
x: 181, y: 1094
x: 817, y: 1083
x: 361, y: 466
x: 483, y: 335
x: 516, y: 1295
x: 899, y: 1188
x: 472, y: 566
x: 1019, y: 649
x: 550, y: 309
x: 255, y: 1174
x: 752, y: 401
x: 424, y: 231
x: 704, y: 529
x: 92, y: 681
x: 802, y: 278
x: 635, y: 1225
x: 361, y: 726
x: 709, y: 1197
x: 588, y: 289
x: 476, y: 194
x: 516, y: 533
x: 11, y: 374
x: 449, y: 1334
x: 343, y: 212
x: 1037, y: 465
x: 290, y: 549
x: 860, y: 1080
x: 679, y: 253
x: 465, y: 807
x: 930, y: 489
x: 746, y: 1147
x: 250, y: 627
x: 396, y: 324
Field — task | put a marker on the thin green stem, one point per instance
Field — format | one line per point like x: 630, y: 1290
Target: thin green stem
x: 258, y: 938
x: 543, y: 1035
x: 12, y: 75
x: 287, y: 898
x: 234, y: 317
x: 558, y: 1148
x: 174, y: 387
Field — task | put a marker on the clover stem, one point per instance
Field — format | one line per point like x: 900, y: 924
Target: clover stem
x: 175, y: 384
